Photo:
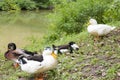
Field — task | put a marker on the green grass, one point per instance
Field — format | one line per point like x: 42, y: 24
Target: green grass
x: 94, y: 61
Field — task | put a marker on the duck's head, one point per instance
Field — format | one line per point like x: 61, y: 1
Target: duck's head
x: 49, y: 51
x: 92, y: 22
x: 73, y: 45
x: 11, y: 46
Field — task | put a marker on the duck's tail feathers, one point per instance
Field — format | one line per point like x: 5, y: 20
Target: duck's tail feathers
x: 113, y: 28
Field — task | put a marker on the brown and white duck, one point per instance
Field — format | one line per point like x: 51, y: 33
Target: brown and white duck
x: 13, y: 53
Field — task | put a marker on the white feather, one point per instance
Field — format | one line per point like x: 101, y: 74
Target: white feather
x: 74, y: 46
x: 64, y: 50
x: 31, y: 66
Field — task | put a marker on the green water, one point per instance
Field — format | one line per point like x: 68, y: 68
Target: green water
x: 18, y: 27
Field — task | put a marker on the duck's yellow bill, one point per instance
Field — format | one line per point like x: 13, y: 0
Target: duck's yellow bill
x: 54, y: 55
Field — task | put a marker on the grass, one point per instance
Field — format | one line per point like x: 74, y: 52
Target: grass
x: 94, y: 60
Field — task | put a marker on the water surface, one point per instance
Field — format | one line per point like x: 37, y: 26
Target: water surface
x: 18, y: 27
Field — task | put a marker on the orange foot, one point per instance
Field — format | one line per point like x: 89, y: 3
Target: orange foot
x: 39, y: 77
x: 15, y: 65
x: 97, y: 38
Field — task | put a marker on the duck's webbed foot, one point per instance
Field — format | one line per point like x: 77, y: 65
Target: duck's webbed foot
x: 15, y: 65
x: 39, y: 76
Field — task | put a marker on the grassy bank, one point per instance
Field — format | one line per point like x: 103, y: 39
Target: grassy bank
x: 94, y: 61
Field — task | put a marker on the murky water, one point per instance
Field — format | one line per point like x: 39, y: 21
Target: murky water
x: 18, y: 27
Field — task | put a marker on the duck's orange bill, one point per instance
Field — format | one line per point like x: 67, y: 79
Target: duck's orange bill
x: 54, y: 55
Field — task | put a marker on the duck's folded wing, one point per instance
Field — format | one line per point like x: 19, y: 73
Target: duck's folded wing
x: 29, y: 52
x: 36, y: 58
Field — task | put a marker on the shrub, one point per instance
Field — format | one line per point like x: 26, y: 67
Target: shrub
x: 113, y: 12
x: 43, y: 3
x: 52, y: 37
x: 23, y: 4
x: 71, y: 16
x: 26, y: 4
x: 9, y: 5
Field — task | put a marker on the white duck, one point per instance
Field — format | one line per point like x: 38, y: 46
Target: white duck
x: 38, y: 64
x: 98, y: 29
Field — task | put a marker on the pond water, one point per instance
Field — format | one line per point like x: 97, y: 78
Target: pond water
x: 18, y: 27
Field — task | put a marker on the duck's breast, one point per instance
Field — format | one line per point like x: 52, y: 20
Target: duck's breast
x: 49, y: 63
x: 31, y: 66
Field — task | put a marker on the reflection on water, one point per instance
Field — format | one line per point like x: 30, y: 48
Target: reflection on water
x: 17, y: 27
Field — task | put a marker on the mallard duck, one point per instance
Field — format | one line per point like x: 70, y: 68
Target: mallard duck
x: 13, y: 47
x: 67, y: 48
x: 13, y: 53
x: 98, y: 29
x: 40, y: 63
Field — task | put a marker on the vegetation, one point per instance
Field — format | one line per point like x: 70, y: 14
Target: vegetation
x: 94, y: 60
x: 8, y: 5
x: 72, y: 17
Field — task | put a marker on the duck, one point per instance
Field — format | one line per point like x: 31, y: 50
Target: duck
x: 39, y: 63
x: 13, y: 47
x: 98, y: 30
x: 13, y: 53
x: 67, y: 48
